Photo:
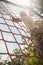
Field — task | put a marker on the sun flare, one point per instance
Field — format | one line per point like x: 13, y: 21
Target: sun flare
x: 22, y: 2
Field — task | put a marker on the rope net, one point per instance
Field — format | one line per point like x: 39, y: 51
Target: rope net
x: 14, y: 38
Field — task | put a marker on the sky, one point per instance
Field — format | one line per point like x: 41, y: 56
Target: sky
x: 7, y: 27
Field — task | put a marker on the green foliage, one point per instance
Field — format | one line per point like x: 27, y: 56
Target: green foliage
x: 33, y: 57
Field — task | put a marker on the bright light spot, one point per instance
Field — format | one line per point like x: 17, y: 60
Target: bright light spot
x: 21, y: 2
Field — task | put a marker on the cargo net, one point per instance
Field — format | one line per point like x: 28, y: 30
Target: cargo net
x: 16, y: 46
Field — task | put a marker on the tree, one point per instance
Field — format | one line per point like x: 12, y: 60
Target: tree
x: 33, y: 57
